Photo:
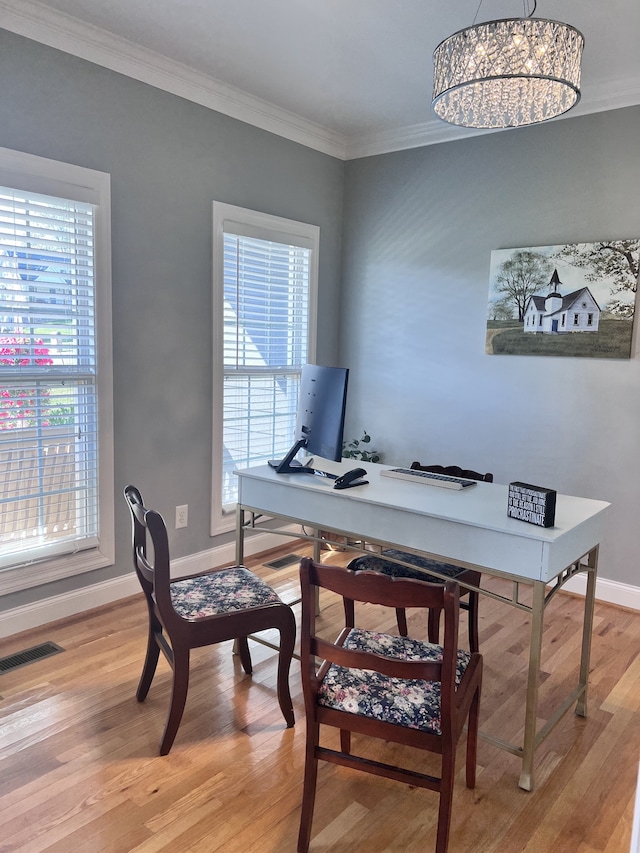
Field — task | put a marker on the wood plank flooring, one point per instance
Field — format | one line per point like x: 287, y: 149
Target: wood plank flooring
x: 80, y: 773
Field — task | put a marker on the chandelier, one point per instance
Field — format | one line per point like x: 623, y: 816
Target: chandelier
x: 507, y: 73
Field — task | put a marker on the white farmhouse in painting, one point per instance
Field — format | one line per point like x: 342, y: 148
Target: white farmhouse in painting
x: 556, y: 314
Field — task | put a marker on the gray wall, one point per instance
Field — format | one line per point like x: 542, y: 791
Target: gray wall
x: 419, y: 229
x: 168, y: 160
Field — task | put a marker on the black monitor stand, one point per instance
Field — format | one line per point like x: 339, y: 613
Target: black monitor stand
x: 290, y: 465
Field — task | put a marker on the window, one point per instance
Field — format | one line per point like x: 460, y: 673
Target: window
x: 56, y: 458
x: 589, y: 319
x: 264, y: 297
x: 576, y: 319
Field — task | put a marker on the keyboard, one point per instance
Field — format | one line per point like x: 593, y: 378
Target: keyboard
x: 414, y: 476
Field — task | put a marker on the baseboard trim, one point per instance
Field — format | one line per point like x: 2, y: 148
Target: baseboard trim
x: 56, y: 607
x: 610, y: 592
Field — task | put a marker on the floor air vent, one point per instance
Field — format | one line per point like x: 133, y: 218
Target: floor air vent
x: 44, y: 650
x: 283, y: 562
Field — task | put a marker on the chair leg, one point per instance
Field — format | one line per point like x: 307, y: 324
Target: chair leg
x: 433, y: 625
x: 474, y: 642
x: 349, y: 612
x: 287, y: 643
x: 345, y: 741
x: 178, y: 698
x: 446, y: 800
x: 401, y: 618
x: 472, y: 740
x: 149, y: 668
x: 245, y: 654
x: 309, y: 786
x: 472, y: 610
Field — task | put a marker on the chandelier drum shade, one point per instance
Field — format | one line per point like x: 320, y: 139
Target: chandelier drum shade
x: 507, y: 73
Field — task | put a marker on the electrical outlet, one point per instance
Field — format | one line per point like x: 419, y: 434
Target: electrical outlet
x: 182, y: 516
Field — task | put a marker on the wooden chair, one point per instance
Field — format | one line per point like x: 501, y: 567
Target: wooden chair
x: 378, y: 563
x: 200, y: 610
x: 393, y: 688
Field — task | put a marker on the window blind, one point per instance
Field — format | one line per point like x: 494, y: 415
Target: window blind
x: 265, y: 344
x: 48, y: 406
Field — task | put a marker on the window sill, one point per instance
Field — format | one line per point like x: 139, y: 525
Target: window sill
x: 28, y: 575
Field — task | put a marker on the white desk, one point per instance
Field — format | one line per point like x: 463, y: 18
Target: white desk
x: 469, y: 527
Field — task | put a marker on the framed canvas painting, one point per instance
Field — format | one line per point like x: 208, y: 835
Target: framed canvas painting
x: 574, y: 300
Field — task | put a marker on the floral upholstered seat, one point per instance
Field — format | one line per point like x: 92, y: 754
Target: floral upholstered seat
x: 410, y: 703
x: 375, y: 563
x: 220, y: 592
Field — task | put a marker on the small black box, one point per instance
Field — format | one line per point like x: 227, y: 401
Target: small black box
x: 532, y: 503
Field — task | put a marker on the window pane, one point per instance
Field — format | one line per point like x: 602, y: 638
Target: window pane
x: 266, y: 296
x: 48, y: 469
x: 48, y: 411
x: 259, y: 422
x: 266, y: 315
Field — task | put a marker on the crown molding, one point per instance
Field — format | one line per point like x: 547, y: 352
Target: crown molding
x: 60, y: 31
x: 402, y: 138
x: 35, y: 21
x: 611, y: 95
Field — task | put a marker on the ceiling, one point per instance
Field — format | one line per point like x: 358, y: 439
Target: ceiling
x: 347, y: 77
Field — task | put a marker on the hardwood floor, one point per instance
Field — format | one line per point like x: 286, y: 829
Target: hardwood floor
x: 80, y: 773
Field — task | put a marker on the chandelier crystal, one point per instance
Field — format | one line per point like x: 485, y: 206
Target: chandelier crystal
x: 507, y: 73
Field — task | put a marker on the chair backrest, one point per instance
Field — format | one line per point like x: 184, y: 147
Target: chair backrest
x: 375, y: 588
x: 153, y: 571
x: 453, y: 471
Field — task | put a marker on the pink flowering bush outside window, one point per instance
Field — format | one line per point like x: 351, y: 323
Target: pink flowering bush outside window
x: 19, y: 406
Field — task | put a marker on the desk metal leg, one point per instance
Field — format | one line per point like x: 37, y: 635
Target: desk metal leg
x: 239, y: 551
x: 317, y: 546
x: 535, y: 656
x: 587, y: 629
x: 317, y: 551
x: 239, y: 535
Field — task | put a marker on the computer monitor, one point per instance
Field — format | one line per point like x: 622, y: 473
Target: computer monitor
x: 320, y: 419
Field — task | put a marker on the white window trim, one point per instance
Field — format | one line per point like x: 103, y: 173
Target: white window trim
x: 279, y: 229
x: 64, y: 180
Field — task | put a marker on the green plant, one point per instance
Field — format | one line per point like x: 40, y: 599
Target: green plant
x: 354, y: 449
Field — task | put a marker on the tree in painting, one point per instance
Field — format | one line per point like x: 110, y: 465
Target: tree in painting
x: 520, y: 277
x: 616, y: 260
x: 501, y: 309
